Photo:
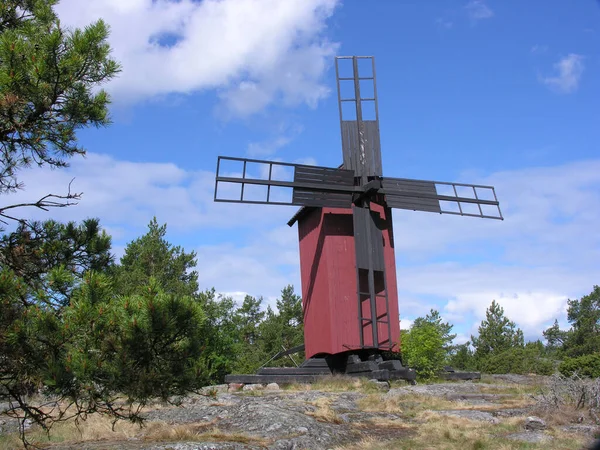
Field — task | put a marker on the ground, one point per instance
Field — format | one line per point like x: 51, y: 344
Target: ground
x: 340, y: 414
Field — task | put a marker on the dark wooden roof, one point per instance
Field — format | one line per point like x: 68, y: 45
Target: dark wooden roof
x: 303, y: 211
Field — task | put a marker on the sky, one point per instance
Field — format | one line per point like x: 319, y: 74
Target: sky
x: 494, y: 92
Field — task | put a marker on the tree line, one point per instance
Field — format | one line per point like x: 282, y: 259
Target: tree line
x: 499, y: 346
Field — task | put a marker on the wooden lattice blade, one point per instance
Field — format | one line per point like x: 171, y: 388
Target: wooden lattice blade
x: 359, y: 117
x: 442, y: 197
x: 276, y: 183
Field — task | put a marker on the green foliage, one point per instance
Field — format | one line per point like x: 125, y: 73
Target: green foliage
x: 496, y: 334
x: 50, y: 257
x: 583, y: 338
x: 519, y: 360
x: 423, y: 349
x: 462, y: 357
x: 49, y: 79
x: 152, y: 256
x: 93, y: 345
x: 584, y: 366
x: 555, y: 340
x: 220, y: 335
x: 278, y: 330
x: 584, y: 317
x: 444, y: 328
x: 145, y: 345
x: 247, y: 319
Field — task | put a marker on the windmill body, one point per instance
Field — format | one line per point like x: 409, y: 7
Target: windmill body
x: 347, y: 260
x: 334, y: 321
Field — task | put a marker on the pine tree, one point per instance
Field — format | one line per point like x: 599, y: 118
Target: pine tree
x: 152, y: 256
x: 555, y: 337
x: 584, y: 316
x: 219, y: 337
x: 496, y: 333
x: 94, y: 345
x: 50, y: 257
x: 49, y: 79
x: 248, y: 317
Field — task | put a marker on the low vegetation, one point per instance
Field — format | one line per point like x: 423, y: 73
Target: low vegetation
x: 379, y: 420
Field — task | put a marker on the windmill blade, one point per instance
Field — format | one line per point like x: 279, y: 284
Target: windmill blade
x: 442, y: 197
x: 309, y: 186
x: 359, y: 116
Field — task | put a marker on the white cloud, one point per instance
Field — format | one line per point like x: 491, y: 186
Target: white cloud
x: 569, y: 71
x: 284, y: 135
x: 128, y: 194
x: 544, y: 252
x: 547, y: 249
x: 478, y: 10
x: 254, y: 52
x: 406, y: 324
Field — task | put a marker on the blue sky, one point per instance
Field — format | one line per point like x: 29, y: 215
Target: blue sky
x: 493, y: 92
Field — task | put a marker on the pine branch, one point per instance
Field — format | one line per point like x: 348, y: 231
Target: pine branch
x: 45, y: 203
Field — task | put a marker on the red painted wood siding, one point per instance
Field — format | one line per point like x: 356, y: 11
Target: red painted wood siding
x: 328, y: 272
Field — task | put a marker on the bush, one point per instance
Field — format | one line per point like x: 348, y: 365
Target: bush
x: 584, y: 366
x: 518, y: 360
x: 423, y: 350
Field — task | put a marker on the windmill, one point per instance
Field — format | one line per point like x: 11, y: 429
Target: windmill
x: 345, y: 230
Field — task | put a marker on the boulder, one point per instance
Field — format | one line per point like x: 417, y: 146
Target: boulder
x: 533, y: 423
x: 253, y: 387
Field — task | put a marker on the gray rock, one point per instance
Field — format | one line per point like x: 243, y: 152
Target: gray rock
x: 471, y: 415
x: 381, y: 385
x: 436, y: 390
x: 583, y: 429
x: 253, y: 387
x: 214, y: 390
x: 533, y: 423
x: 530, y: 436
x: 272, y: 387
x: 276, y: 426
x: 510, y: 412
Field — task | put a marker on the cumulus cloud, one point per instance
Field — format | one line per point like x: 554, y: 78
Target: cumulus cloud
x: 543, y: 253
x: 547, y: 249
x: 253, y: 52
x: 127, y: 194
x: 478, y: 10
x: 568, y: 72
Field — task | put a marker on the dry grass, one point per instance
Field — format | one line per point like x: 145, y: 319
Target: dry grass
x: 386, y: 423
x: 94, y: 428
x: 435, y: 431
x: 99, y: 428
x: 196, y: 432
x: 323, y: 411
x: 408, y: 405
x: 336, y: 383
x: 517, y: 389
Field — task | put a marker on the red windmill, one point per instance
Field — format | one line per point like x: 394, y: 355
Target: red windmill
x: 347, y: 260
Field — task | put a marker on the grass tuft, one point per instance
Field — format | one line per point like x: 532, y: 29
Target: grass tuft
x: 323, y: 411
